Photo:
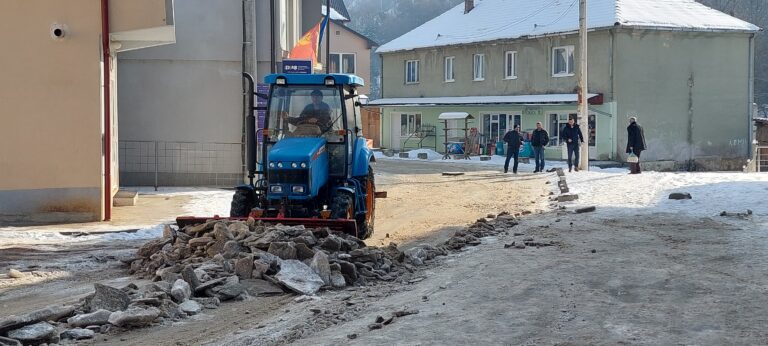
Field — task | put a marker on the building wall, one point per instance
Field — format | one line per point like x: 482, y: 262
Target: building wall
x: 662, y: 76
x: 139, y: 14
x: 188, y: 97
x: 50, y: 105
x: 534, y: 69
x: 343, y: 41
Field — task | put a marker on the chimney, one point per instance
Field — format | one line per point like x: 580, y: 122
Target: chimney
x: 468, y: 5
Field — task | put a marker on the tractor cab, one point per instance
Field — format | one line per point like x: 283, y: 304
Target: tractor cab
x: 307, y: 110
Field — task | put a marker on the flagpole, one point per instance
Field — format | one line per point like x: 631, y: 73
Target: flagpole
x: 328, y: 36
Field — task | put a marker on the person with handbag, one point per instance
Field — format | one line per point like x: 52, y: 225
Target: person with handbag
x: 635, y: 145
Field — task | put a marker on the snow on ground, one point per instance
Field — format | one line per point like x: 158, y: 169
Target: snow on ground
x: 496, y: 161
x: 204, y: 202
x: 613, y: 191
x: 712, y: 193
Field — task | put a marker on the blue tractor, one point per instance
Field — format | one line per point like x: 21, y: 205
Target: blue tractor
x: 314, y: 167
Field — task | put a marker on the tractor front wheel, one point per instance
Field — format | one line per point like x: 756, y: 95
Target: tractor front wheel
x: 242, y: 203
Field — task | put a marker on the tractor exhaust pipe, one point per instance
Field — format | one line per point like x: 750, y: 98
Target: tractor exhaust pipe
x: 250, y: 130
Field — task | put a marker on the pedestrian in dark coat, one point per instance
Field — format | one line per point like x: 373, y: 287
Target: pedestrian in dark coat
x: 539, y: 140
x: 635, y: 144
x: 571, y: 135
x: 514, y: 140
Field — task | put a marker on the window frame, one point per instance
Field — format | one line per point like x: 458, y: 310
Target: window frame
x: 507, y: 54
x: 416, y: 117
x: 569, y: 68
x: 475, y: 65
x: 452, y: 79
x: 340, y: 59
x: 416, y: 71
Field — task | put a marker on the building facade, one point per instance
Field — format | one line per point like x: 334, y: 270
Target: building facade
x: 690, y: 86
x: 182, y: 106
x: 58, y: 102
x: 350, y: 53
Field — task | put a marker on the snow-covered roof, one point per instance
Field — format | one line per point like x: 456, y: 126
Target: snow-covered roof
x: 510, y: 19
x: 477, y: 100
x: 335, y: 15
x: 454, y: 115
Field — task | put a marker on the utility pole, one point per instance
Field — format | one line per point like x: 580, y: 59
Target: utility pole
x: 583, y: 92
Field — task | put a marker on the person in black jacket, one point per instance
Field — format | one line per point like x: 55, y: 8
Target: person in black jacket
x: 514, y: 140
x: 571, y: 135
x: 635, y: 144
x: 539, y: 140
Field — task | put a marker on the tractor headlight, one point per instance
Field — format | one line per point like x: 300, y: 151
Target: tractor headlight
x: 294, y: 165
x: 276, y: 189
x: 279, y: 165
x: 329, y: 81
x: 303, y: 165
x: 298, y: 189
x: 271, y: 165
x: 280, y: 81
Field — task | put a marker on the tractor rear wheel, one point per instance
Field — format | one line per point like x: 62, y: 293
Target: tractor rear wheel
x: 242, y: 203
x: 365, y: 222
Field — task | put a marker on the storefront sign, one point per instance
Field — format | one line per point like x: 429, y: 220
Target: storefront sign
x: 533, y: 111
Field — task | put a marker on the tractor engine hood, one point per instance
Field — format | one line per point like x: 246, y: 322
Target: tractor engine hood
x: 296, y: 150
x: 298, y: 168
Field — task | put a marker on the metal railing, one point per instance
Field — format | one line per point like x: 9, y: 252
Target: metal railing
x: 762, y: 159
x: 164, y: 163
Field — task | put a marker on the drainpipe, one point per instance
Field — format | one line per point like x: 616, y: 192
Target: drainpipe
x: 272, y: 62
x: 751, y: 100
x: 107, y: 141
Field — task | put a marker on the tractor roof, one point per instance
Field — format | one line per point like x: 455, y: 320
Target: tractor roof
x: 315, y: 79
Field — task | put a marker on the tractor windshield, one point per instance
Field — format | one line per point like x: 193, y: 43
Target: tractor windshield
x: 305, y: 111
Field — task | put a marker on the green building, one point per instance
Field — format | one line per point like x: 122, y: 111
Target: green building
x: 683, y: 69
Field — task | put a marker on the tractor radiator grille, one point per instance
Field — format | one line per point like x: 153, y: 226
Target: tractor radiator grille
x: 288, y: 176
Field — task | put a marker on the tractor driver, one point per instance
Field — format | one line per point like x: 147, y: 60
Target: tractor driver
x: 316, y: 113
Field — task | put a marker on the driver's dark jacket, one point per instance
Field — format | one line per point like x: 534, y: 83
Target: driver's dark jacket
x: 322, y: 113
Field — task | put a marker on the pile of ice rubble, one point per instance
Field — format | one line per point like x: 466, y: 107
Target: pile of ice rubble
x: 202, y: 265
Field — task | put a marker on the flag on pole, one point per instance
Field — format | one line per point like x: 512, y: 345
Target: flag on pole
x: 309, y: 45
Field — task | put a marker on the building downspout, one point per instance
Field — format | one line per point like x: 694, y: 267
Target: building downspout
x: 272, y: 61
x: 751, y: 100
x: 107, y: 139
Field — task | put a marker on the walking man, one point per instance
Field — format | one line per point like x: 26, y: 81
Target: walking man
x: 539, y: 140
x: 514, y: 140
x: 635, y: 144
x: 572, y: 137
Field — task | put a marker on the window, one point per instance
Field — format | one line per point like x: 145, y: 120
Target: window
x: 479, y: 67
x: 510, y: 65
x: 496, y: 125
x: 562, y: 61
x: 448, y: 69
x: 409, y: 124
x: 556, y: 124
x: 343, y: 63
x: 411, y: 71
